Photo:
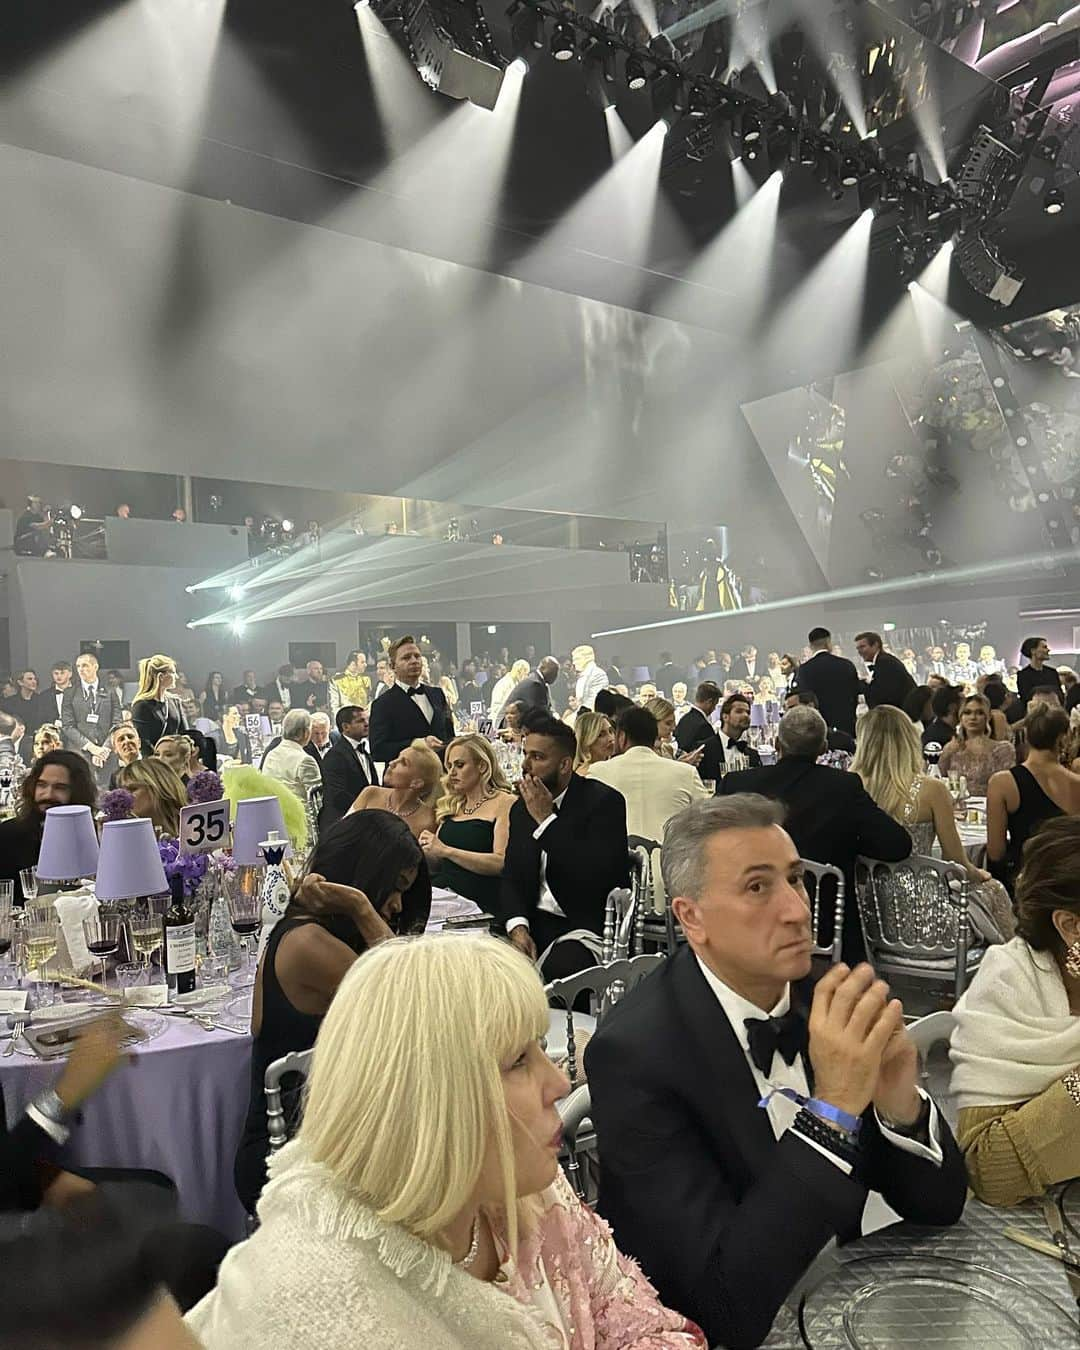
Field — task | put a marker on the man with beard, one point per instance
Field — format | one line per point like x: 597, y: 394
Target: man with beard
x: 59, y: 778
x: 566, y: 850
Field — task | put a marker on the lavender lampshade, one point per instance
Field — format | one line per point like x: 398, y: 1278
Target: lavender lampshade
x: 255, y: 818
x: 130, y: 864
x: 69, y: 846
x: 641, y: 674
x: 757, y: 715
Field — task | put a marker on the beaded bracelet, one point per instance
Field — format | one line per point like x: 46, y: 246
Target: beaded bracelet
x: 811, y: 1127
x: 1072, y: 1085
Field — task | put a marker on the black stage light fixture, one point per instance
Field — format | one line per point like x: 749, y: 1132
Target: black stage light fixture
x: 750, y: 127
x: 635, y: 73
x: 698, y: 104
x: 563, y: 41
x: 849, y: 171
x: 663, y: 46
x: 1054, y: 201
x: 598, y: 64
x: 526, y: 32
x: 452, y: 48
x: 1048, y: 149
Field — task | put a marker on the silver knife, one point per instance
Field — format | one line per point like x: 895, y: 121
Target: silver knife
x: 1056, y: 1224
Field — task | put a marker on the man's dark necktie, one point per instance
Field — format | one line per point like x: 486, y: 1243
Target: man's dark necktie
x: 788, y: 1034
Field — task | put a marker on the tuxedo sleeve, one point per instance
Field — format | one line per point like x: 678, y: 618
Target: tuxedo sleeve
x: 73, y: 737
x: 336, y: 795
x: 592, y: 846
x: 20, y: 1149
x: 725, y: 1260
x: 516, y: 887
x: 920, y: 1190
x: 385, y: 745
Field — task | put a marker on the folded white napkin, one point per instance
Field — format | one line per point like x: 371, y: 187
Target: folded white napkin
x: 71, y: 908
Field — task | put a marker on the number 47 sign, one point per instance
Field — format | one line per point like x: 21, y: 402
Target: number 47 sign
x: 204, y: 826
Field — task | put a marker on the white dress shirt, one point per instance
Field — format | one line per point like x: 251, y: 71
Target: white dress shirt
x: 730, y: 752
x: 547, y: 901
x: 422, y: 702
x: 782, y: 1110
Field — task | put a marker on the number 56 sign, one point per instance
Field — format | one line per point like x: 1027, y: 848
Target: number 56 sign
x: 204, y: 826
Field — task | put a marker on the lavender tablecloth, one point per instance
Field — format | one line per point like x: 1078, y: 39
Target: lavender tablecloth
x: 178, y: 1107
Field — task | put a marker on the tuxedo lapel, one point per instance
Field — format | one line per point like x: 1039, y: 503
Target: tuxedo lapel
x: 410, y: 714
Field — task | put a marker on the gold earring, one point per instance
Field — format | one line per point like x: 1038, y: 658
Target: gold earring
x: 1072, y: 960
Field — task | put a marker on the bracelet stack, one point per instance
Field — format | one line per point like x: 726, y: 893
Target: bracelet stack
x: 843, y: 1145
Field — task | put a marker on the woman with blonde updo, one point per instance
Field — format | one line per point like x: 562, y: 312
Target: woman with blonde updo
x: 410, y: 788
x: 179, y: 754
x: 595, y: 740
x: 155, y: 710
x: 466, y: 849
x: 159, y: 793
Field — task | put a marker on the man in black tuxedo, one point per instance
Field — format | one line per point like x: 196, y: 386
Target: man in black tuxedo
x: 694, y: 728
x: 834, y: 681
x: 348, y: 767
x: 667, y: 672
x: 725, y: 1203
x: 830, y: 815
x: 409, y: 709
x: 728, y: 741
x: 566, y: 850
x: 534, y: 691
x: 889, y: 679
x: 835, y: 740
x: 246, y: 690
x: 746, y: 667
x: 279, y: 690
x: 51, y: 700
x: 89, y: 713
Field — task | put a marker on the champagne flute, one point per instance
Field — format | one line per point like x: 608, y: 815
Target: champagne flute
x: 245, y: 915
x: 102, y: 934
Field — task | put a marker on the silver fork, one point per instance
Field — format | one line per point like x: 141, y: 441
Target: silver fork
x: 16, y: 1032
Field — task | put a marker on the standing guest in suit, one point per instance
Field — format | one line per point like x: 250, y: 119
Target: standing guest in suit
x: 566, y: 850
x: 694, y: 728
x: 746, y: 666
x: 408, y: 710
x: 726, y: 1204
x: 1036, y: 673
x: 247, y: 689
x: 90, y: 712
x: 348, y: 767
x: 833, y: 679
x: 667, y: 672
x: 836, y: 740
x: 311, y: 689
x: 590, y: 677
x: 534, y: 691
x: 321, y: 738
x: 500, y: 693
x: 51, y: 700
x: 830, y: 815
x: 154, y: 711
x: 25, y: 703
x: 280, y: 687
x: 728, y: 742
x: 889, y: 682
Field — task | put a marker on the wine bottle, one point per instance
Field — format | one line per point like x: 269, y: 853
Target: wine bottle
x: 178, y: 923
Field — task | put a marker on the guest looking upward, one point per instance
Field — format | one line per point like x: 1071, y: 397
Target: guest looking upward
x: 945, y: 706
x: 835, y: 740
x: 155, y: 712
x: 287, y: 761
x: 595, y: 739
x: 566, y: 850
x: 408, y: 790
x: 409, y: 709
x: 366, y: 880
x: 1016, y: 1045
x: 348, y: 767
x: 467, y: 848
x: 435, y: 1214
x: 971, y: 752
x: 889, y: 682
x: 1037, y: 672
x: 1021, y: 798
x: 833, y: 679
x: 59, y: 778
x: 230, y: 738
x: 830, y: 815
x: 159, y: 793
x: 724, y: 1203
x: 890, y: 763
x: 695, y: 728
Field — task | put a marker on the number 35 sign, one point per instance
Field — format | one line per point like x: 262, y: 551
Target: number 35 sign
x: 204, y: 826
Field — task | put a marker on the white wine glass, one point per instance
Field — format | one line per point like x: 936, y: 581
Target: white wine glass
x: 28, y: 880
x: 144, y: 934
x: 40, y: 940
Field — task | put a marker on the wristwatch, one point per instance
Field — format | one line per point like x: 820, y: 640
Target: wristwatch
x: 918, y: 1127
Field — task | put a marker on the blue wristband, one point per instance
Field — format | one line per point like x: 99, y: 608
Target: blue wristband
x: 823, y: 1110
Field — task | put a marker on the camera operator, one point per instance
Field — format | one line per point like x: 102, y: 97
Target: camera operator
x: 34, y: 536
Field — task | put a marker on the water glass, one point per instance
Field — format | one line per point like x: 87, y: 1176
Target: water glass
x: 7, y: 895
x: 212, y: 970
x: 28, y: 882
x: 131, y: 975
x: 40, y: 939
x: 7, y: 939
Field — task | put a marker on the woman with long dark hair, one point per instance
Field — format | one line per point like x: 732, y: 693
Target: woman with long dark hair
x: 367, y: 880
x: 214, y: 697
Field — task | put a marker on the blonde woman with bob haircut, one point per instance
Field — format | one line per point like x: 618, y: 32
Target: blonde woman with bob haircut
x: 889, y: 760
x: 595, y: 740
x: 155, y: 710
x: 422, y: 1203
x: 467, y: 848
x: 159, y: 793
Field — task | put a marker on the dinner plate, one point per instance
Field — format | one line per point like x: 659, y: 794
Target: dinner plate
x: 148, y: 1025
x: 933, y: 1303
x: 236, y: 1014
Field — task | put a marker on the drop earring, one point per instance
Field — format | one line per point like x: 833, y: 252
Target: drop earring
x: 1072, y: 960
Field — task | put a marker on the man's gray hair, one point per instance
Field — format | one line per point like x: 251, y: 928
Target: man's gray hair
x: 296, y: 725
x: 682, y: 858
x: 803, y: 733
x: 322, y: 718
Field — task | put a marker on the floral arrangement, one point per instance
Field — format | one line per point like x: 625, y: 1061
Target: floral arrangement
x: 190, y: 866
x: 117, y: 804
x: 205, y: 786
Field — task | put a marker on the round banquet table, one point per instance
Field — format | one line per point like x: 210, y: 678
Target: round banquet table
x: 177, y: 1106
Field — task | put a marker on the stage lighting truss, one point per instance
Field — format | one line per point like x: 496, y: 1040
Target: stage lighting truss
x: 451, y: 46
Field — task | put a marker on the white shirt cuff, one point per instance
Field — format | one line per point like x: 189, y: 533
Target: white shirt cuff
x: 518, y: 921
x: 932, y: 1152
x: 57, y: 1133
x: 543, y: 825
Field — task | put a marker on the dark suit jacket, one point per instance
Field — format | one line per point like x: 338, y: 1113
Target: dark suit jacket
x: 395, y: 721
x: 20, y: 1149
x: 533, y: 691
x: 666, y: 675
x: 693, y: 729
x: 76, y: 729
x: 586, y: 850
x: 153, y: 718
x: 891, y: 682
x: 25, y: 749
x: 343, y: 781
x: 31, y: 712
x: 831, y: 819
x: 724, y: 1217
x: 837, y: 685
x: 46, y: 706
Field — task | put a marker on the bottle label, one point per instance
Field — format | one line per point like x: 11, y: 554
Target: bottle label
x: 179, y: 948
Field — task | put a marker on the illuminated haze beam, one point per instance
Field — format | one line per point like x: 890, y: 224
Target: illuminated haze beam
x: 1010, y: 567
x: 750, y: 39
x: 406, y: 107
x: 743, y: 182
x: 619, y: 139
x: 837, y: 52
x: 937, y: 322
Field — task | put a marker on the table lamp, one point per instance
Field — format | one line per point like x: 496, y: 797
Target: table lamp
x: 256, y: 817
x: 757, y: 715
x: 130, y: 864
x: 69, y: 846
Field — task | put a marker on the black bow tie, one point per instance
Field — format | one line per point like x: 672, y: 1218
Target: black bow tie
x: 788, y: 1034
x: 741, y: 746
x: 417, y: 692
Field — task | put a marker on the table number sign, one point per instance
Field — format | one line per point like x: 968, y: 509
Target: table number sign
x: 204, y: 826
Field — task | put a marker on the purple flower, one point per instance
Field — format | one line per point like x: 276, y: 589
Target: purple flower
x: 117, y: 804
x: 205, y: 786
x: 190, y: 866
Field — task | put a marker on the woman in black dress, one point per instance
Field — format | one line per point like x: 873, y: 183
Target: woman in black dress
x: 230, y: 738
x: 214, y: 696
x: 154, y: 712
x: 366, y: 881
x: 1036, y: 673
x: 467, y: 847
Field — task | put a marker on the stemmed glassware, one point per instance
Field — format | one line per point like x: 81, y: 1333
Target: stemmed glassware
x: 245, y: 915
x: 102, y: 934
x: 40, y: 939
x: 7, y: 937
x: 144, y: 933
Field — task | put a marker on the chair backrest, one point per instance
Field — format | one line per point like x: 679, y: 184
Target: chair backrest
x: 605, y: 985
x: 313, y: 807
x: 573, y: 1110
x: 931, y: 1030
x: 643, y: 871
x: 823, y: 880
x: 280, y: 1128
x: 618, y: 918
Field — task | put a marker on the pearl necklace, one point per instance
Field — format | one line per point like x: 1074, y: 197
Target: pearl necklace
x: 474, y: 1246
x: 467, y: 810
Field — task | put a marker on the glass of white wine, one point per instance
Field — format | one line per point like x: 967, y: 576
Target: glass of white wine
x: 40, y: 938
x: 144, y: 933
